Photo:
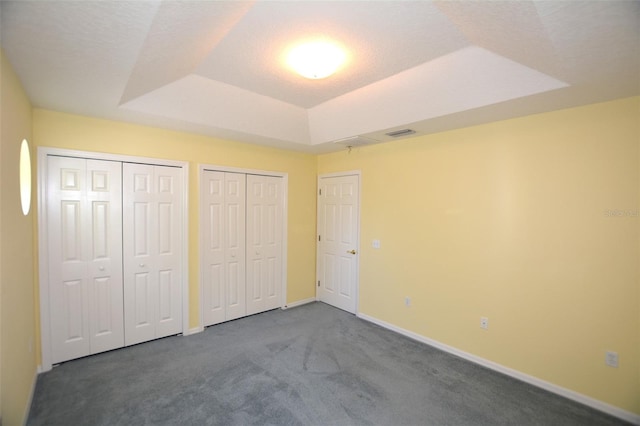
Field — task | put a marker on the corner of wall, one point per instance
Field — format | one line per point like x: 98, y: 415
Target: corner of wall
x: 17, y: 306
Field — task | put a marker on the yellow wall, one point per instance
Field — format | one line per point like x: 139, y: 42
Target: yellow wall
x: 17, y: 301
x: 54, y: 129
x: 508, y: 220
x: 505, y: 220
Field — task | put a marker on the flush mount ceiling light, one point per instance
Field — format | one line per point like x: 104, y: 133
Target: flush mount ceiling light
x: 316, y: 59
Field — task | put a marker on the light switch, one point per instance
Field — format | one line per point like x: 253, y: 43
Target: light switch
x: 376, y: 244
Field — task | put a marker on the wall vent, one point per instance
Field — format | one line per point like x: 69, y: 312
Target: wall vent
x: 400, y: 133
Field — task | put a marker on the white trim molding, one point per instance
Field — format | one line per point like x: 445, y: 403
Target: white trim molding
x: 194, y: 330
x: 558, y: 390
x: 299, y: 303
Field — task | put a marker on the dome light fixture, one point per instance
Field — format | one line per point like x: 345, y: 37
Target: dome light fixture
x: 316, y: 59
x: 25, y: 177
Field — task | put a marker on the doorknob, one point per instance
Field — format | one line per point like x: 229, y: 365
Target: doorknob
x: 351, y: 251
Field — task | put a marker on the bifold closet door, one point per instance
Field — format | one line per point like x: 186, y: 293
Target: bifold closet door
x: 152, y: 223
x: 84, y: 223
x: 264, y: 242
x: 223, y: 205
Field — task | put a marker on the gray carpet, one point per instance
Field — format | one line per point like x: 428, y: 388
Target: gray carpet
x: 311, y: 365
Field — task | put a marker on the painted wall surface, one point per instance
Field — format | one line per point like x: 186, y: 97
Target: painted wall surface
x: 17, y: 303
x: 58, y: 130
x: 531, y: 222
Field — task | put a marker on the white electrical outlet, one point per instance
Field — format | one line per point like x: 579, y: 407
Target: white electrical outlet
x: 611, y: 359
x: 484, y: 323
x: 407, y: 301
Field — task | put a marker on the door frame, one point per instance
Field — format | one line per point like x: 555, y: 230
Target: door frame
x: 358, y: 174
x: 285, y: 222
x: 43, y: 252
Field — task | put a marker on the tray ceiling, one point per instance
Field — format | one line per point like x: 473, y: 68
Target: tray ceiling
x: 217, y: 67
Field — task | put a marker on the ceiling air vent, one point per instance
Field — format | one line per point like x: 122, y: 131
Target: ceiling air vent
x: 400, y: 133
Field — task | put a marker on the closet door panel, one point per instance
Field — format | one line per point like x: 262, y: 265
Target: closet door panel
x: 152, y: 251
x: 255, y: 236
x: 85, y: 275
x: 273, y: 241
x: 167, y: 223
x: 264, y: 235
x: 223, y: 205
x: 242, y: 244
x: 213, y: 273
x: 68, y: 296
x: 234, y: 241
x: 104, y: 199
x: 139, y: 260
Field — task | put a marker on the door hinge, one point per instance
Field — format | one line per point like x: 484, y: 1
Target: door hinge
x: 320, y: 191
x: 319, y: 238
x: 318, y: 283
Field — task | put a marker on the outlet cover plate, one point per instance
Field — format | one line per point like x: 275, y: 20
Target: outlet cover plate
x: 484, y: 323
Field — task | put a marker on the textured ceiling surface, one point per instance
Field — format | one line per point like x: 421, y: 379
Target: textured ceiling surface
x: 217, y: 67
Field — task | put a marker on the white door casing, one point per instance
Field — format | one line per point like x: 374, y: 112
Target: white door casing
x: 85, y: 247
x: 152, y: 251
x: 223, y: 204
x: 264, y: 243
x: 338, y: 236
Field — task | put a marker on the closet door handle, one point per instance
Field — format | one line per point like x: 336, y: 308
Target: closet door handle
x: 142, y: 265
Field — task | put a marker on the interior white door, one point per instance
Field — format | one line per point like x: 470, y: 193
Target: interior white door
x: 85, y: 256
x: 338, y: 220
x: 223, y: 207
x: 264, y: 242
x: 152, y: 222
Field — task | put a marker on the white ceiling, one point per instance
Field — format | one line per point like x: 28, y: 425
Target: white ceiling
x: 217, y: 67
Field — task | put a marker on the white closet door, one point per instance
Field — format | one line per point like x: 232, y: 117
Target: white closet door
x: 85, y: 255
x: 264, y: 242
x: 168, y: 223
x: 104, y: 198
x: 213, y: 275
x: 234, y: 238
x: 222, y: 201
x: 152, y: 267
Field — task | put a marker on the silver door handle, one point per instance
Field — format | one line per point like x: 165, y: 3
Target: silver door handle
x: 351, y: 251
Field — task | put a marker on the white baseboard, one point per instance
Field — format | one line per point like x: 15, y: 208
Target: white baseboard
x: 34, y: 381
x: 567, y: 393
x: 299, y: 303
x: 194, y: 330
